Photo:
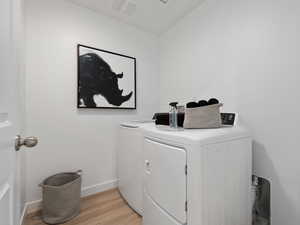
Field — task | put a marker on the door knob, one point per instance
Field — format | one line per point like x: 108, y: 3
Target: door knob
x: 28, y: 142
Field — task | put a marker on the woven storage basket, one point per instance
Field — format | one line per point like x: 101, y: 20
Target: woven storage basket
x: 203, y: 117
x: 61, y: 197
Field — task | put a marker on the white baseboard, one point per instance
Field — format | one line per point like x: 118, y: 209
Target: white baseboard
x: 23, y: 215
x: 34, y: 206
x: 97, y: 188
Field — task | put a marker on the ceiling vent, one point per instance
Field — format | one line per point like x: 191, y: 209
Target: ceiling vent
x: 164, y: 1
x: 128, y: 7
x: 118, y: 4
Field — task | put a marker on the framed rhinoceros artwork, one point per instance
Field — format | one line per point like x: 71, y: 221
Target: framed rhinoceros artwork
x: 105, y: 79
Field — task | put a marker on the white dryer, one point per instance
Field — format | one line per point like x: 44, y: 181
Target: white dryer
x: 197, y: 177
x: 130, y: 164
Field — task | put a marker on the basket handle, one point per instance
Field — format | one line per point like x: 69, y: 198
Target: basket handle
x: 79, y: 172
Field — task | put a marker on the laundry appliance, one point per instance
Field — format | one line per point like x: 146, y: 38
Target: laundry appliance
x: 197, y: 177
x: 130, y: 164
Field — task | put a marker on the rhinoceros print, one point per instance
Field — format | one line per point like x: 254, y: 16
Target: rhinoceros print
x: 96, y: 77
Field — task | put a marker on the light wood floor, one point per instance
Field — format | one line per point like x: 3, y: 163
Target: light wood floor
x: 106, y: 208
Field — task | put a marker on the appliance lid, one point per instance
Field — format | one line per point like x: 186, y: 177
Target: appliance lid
x: 182, y: 137
x: 135, y: 123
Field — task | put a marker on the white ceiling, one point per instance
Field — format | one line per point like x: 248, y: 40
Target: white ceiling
x: 150, y: 15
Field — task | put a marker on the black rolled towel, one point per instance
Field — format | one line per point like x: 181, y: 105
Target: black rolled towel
x: 192, y: 105
x: 202, y: 103
x: 213, y: 101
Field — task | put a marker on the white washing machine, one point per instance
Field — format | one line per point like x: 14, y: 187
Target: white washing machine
x: 130, y: 164
x: 197, y: 177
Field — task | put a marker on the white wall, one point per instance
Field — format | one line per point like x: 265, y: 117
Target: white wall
x: 246, y: 53
x: 71, y: 139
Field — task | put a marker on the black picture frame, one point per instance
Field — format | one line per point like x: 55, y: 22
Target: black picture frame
x: 79, y: 99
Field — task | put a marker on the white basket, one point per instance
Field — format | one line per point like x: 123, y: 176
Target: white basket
x: 203, y: 117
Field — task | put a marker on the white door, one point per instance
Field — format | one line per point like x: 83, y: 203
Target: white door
x: 8, y: 114
x: 10, y: 39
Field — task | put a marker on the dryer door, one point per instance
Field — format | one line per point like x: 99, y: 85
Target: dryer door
x: 154, y: 215
x: 165, y: 178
